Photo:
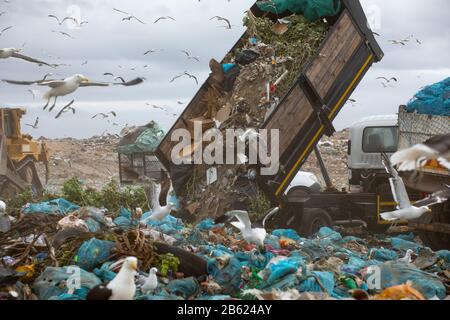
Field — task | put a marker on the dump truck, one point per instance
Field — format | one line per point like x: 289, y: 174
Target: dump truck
x: 397, y: 132
x: 18, y: 156
x: 302, y: 117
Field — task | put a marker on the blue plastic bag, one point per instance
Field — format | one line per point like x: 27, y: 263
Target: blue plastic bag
x: 230, y: 276
x: 283, y: 268
x: 187, y: 287
x: 404, y: 245
x: 57, y: 206
x: 310, y: 284
x: 383, y: 255
x: 50, y: 284
x: 93, y: 253
x: 286, y: 233
x: 395, y: 273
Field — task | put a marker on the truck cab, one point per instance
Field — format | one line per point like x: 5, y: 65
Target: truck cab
x: 369, y: 137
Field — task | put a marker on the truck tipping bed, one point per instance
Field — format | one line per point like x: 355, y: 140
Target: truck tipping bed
x: 306, y: 112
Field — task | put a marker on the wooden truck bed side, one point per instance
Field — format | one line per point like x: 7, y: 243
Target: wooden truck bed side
x: 306, y: 113
x: 307, y: 110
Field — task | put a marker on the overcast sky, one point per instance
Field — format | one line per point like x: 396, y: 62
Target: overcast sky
x: 107, y: 43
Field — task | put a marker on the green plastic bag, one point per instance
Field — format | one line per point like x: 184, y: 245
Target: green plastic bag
x: 311, y: 9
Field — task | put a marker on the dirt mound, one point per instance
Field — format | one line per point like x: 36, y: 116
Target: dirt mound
x: 94, y: 161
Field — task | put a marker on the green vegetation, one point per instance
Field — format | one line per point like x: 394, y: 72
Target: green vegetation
x: 111, y: 196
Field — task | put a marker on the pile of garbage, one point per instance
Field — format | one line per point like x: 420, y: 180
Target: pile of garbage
x: 59, y: 251
x: 432, y: 100
x: 241, y: 94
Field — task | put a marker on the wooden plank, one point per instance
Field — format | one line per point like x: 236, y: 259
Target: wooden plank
x: 334, y: 55
x: 289, y: 116
x: 338, y: 65
x: 331, y: 48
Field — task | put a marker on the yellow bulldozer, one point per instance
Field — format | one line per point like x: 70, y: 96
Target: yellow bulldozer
x: 18, y: 156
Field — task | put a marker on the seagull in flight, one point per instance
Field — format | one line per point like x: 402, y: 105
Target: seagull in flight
x: 436, y: 148
x: 152, y: 51
x: 164, y: 18
x: 251, y: 235
x: 35, y: 125
x: 388, y: 80
x: 59, y: 88
x: 105, y: 115
x: 60, y: 22
x: 219, y: 18
x: 65, y: 109
x: 183, y: 75
x: 15, y: 53
x: 190, y: 57
x: 4, y: 29
x: 63, y: 34
x: 129, y: 16
x: 405, y: 210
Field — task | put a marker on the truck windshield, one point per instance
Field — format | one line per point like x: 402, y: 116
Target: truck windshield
x: 380, y: 139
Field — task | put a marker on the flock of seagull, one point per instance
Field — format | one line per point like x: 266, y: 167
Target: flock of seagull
x: 66, y: 86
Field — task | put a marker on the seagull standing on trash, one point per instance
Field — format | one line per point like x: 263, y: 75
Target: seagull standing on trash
x: 251, y: 235
x: 5, y: 221
x: 408, y: 257
x: 122, y: 287
x: 406, y: 211
x: 151, y: 282
x: 159, y: 212
x: 436, y: 148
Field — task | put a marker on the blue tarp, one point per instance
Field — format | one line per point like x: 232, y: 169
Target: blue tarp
x: 432, y: 100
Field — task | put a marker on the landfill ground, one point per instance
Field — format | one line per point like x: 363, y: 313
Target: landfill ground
x: 119, y: 217
x: 94, y: 161
x: 57, y: 250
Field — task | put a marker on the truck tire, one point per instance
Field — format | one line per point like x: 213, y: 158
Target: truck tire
x: 314, y: 219
x: 434, y: 240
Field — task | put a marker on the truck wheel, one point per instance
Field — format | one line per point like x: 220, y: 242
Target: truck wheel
x: 314, y: 219
x: 434, y: 240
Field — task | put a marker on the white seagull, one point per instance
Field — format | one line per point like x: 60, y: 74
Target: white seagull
x: 436, y: 148
x: 151, y: 282
x: 122, y: 287
x: 251, y: 235
x: 6, y: 53
x: 160, y: 212
x: 407, y: 258
x: 406, y: 211
x: 69, y: 85
x: 5, y: 221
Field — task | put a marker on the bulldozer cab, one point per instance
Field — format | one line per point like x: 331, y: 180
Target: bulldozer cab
x: 18, y: 156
